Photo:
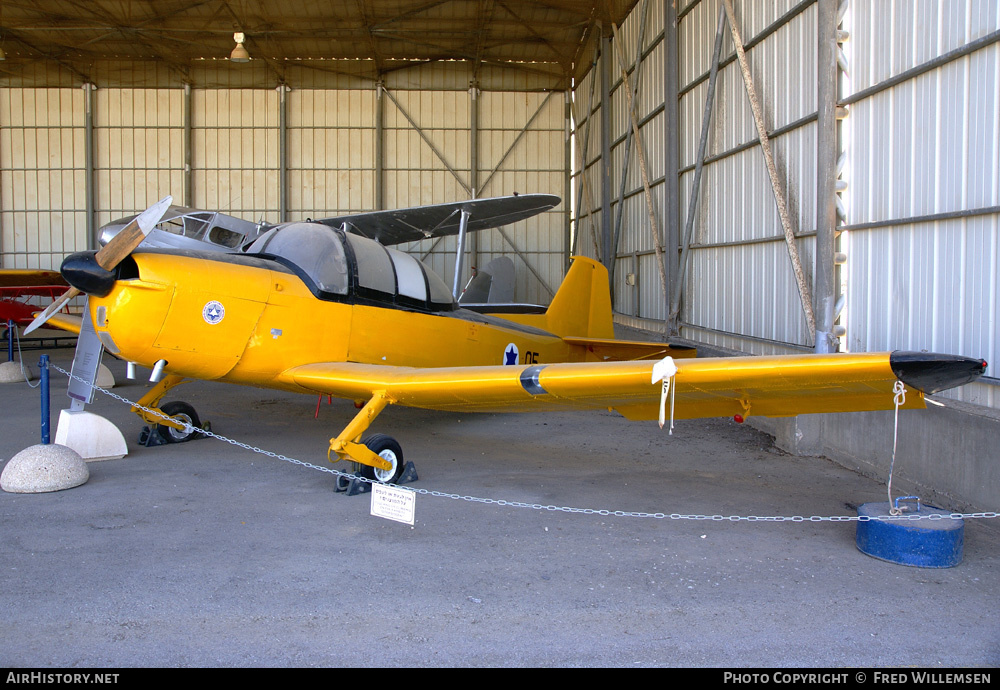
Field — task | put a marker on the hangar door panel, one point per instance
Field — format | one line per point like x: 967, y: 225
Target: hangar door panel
x: 235, y: 152
x: 138, y: 149
x: 42, y: 176
x: 331, y: 152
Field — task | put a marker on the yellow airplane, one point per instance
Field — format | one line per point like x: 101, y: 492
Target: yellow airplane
x: 313, y: 307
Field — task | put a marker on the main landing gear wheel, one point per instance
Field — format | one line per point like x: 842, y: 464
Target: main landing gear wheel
x: 387, y: 448
x: 185, y: 413
x: 366, y: 476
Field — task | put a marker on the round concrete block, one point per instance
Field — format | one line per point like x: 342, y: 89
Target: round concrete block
x: 10, y: 372
x: 45, y: 467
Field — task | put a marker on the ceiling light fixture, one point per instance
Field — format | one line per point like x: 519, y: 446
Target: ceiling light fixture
x: 239, y: 53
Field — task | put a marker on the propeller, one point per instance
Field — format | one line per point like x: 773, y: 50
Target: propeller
x: 111, y: 254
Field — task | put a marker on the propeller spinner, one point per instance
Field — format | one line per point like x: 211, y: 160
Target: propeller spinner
x: 109, y: 256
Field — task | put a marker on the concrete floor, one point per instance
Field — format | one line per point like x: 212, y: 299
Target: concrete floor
x: 204, y: 554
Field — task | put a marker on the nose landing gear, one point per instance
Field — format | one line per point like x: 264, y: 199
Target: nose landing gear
x: 182, y: 412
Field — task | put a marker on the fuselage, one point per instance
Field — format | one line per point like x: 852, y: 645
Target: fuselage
x: 246, y: 319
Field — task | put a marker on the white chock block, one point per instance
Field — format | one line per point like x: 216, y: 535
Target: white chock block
x: 105, y: 379
x: 90, y: 435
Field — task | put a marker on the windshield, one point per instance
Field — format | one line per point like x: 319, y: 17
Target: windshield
x: 316, y: 249
x: 357, y: 266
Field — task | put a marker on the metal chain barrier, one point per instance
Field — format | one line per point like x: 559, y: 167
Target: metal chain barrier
x: 540, y: 506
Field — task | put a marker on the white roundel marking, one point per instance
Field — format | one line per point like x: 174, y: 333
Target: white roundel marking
x: 213, y: 312
x: 510, y: 354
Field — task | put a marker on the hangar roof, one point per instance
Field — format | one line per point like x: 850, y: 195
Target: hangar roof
x: 171, y: 42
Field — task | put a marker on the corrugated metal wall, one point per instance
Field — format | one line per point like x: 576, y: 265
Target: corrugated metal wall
x: 921, y: 165
x: 586, y: 176
x: 522, y: 148
x: 237, y: 138
x: 614, y: 205
x: 923, y: 174
x: 520, y: 140
x: 637, y: 288
x: 740, y: 290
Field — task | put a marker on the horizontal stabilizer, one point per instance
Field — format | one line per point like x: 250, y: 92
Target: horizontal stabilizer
x: 621, y: 350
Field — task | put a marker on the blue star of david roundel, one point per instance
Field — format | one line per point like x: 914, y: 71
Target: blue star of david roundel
x: 213, y: 312
x: 510, y: 354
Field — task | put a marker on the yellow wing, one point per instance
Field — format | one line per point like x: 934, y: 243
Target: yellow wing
x: 710, y: 387
x: 30, y: 277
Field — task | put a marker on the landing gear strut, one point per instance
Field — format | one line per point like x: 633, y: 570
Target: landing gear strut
x: 389, y: 450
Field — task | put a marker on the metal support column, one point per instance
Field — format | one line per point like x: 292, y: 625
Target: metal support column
x: 826, y: 177
x: 379, y: 146
x: 88, y: 163
x: 583, y: 195
x: 568, y: 182
x: 473, y: 173
x: 671, y: 154
x: 606, y: 222
x: 187, y: 185
x: 283, y: 151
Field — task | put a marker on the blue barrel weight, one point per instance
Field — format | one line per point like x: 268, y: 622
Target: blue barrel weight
x: 934, y: 542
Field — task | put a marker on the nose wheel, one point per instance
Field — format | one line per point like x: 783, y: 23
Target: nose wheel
x: 182, y: 412
x: 162, y: 434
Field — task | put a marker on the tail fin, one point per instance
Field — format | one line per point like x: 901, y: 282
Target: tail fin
x: 582, y: 305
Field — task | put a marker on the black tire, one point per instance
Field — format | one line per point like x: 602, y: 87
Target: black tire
x: 183, y: 411
x: 389, y: 449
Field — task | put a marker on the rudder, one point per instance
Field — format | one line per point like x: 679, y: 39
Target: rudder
x: 582, y: 305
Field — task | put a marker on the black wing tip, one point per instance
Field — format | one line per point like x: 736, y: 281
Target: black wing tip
x: 932, y: 372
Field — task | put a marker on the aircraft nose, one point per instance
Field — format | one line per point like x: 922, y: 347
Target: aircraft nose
x: 82, y: 271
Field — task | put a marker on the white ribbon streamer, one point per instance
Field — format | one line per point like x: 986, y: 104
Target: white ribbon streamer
x: 664, y: 372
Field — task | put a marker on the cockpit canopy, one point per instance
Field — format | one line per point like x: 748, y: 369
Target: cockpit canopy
x: 337, y: 265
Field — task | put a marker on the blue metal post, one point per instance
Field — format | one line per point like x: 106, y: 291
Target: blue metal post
x: 43, y: 365
x: 10, y: 340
